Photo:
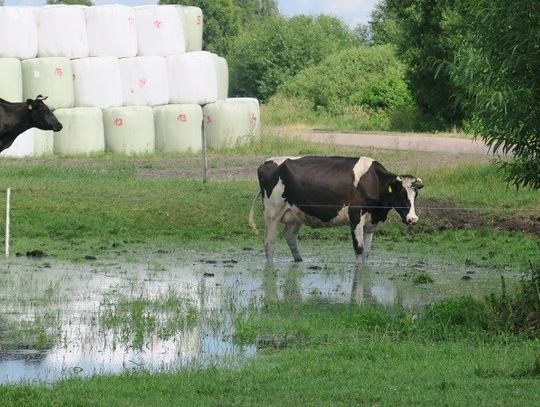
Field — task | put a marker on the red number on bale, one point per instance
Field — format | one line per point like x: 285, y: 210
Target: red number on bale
x: 182, y: 118
x: 118, y: 122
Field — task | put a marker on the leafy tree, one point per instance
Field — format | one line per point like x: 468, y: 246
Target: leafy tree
x: 83, y: 2
x: 253, y: 10
x: 420, y: 31
x: 497, y: 64
x: 275, y: 49
x: 368, y: 77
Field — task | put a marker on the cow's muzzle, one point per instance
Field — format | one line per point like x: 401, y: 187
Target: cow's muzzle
x: 411, y: 220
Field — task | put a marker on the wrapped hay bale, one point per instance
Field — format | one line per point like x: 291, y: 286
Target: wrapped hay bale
x: 11, y: 88
x: 129, y: 130
x: 159, y: 31
x: 253, y: 111
x: 111, y: 31
x: 229, y: 123
x: 82, y: 131
x: 97, y: 82
x: 144, y: 81
x: 62, y: 32
x: 51, y: 77
x: 192, y: 78
x: 31, y: 143
x: 18, y: 33
x: 192, y: 21
x: 178, y: 128
x: 222, y: 77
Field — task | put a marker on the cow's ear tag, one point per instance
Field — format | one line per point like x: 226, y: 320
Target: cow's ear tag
x: 29, y: 107
x: 389, y: 189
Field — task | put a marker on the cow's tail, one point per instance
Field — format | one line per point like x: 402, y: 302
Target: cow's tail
x: 251, y: 219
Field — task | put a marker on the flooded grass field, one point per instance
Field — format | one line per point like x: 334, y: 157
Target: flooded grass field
x: 167, y: 310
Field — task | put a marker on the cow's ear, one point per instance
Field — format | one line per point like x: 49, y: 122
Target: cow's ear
x: 30, y: 104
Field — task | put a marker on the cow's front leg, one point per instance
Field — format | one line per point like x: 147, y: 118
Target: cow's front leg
x: 291, y: 236
x: 368, y: 237
x: 357, y: 232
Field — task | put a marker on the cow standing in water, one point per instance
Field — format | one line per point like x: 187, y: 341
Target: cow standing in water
x: 16, y: 118
x: 331, y: 191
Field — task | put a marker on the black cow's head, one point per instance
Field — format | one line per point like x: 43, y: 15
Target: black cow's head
x: 403, y: 192
x: 41, y: 116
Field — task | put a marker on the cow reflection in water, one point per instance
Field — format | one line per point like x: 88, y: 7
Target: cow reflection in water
x: 331, y: 191
x: 297, y: 286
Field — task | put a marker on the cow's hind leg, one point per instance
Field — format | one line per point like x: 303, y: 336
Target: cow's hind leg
x: 291, y: 235
x: 270, y: 236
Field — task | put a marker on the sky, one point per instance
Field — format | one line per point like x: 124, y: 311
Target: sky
x: 351, y: 11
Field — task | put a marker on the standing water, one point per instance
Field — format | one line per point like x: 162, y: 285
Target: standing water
x: 173, y: 310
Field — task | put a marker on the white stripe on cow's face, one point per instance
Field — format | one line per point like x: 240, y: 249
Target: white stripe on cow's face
x: 361, y: 168
x: 407, y: 182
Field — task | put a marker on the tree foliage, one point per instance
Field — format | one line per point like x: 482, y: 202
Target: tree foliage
x: 275, y: 49
x: 419, y: 30
x: 497, y: 64
x: 367, y: 77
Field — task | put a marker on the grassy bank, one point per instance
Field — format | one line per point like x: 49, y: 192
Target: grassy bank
x: 70, y: 208
x: 319, y: 354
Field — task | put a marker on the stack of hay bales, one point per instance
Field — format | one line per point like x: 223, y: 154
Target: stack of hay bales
x: 123, y: 79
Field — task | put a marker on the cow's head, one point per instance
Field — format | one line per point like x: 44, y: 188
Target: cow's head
x: 403, y: 191
x: 41, y: 116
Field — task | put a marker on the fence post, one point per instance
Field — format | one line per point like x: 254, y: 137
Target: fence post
x: 8, y: 209
x: 204, y: 155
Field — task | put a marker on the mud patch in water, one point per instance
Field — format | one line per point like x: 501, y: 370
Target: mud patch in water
x: 165, y: 310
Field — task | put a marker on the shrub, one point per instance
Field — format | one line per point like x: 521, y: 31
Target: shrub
x: 368, y: 77
x: 273, y: 50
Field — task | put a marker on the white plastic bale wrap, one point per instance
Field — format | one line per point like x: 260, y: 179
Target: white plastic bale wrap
x: 192, y: 20
x: 144, y: 81
x: 231, y: 122
x: 159, y: 31
x: 178, y: 128
x: 129, y: 130
x: 82, y: 131
x: 253, y: 111
x: 111, y: 31
x: 11, y: 88
x: 192, y: 78
x: 31, y: 143
x: 62, y: 32
x: 51, y: 77
x: 97, y: 82
x: 18, y: 33
x: 222, y: 77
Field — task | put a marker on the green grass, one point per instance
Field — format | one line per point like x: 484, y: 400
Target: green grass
x: 334, y: 355
x: 72, y: 208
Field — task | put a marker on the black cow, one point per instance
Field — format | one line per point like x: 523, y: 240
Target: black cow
x: 331, y: 191
x: 16, y: 118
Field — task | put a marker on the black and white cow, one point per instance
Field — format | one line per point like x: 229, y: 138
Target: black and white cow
x: 331, y: 191
x: 16, y: 118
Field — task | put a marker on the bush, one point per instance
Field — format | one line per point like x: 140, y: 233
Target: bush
x: 270, y: 52
x: 366, y: 77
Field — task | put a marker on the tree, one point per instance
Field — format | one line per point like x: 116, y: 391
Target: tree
x: 273, y: 50
x: 82, y: 2
x: 497, y: 65
x: 423, y: 38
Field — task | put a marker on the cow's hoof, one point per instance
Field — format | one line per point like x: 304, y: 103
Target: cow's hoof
x: 298, y: 260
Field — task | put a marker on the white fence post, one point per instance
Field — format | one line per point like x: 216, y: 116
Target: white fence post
x: 8, y: 209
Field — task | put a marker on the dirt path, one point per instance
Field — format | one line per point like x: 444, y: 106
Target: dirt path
x: 414, y: 142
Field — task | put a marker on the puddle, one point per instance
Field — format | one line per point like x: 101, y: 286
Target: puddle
x: 166, y: 311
